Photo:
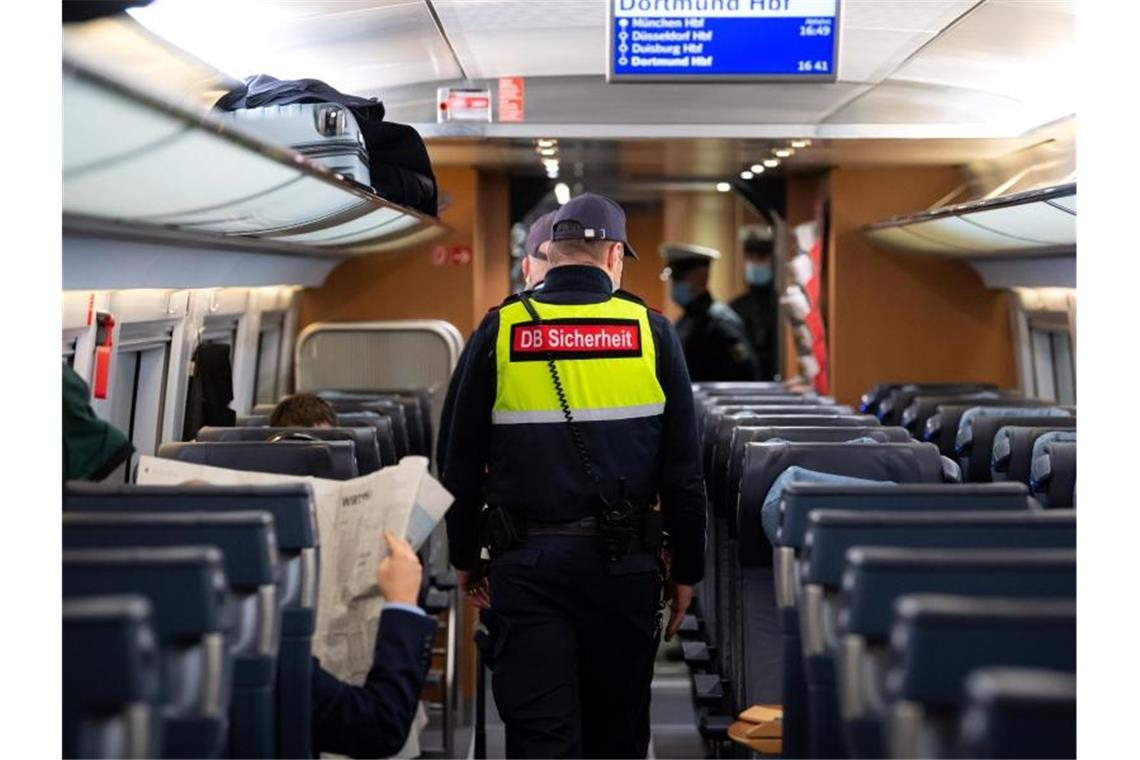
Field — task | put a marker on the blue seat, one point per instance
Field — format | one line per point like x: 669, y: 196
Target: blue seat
x: 192, y: 617
x: 876, y: 577
x: 1053, y: 475
x: 295, y: 530
x: 334, y: 460
x: 870, y: 401
x: 942, y: 427
x: 1019, y: 712
x: 385, y: 434
x: 925, y: 405
x: 417, y: 410
x: 745, y: 582
x: 366, y: 448
x: 710, y: 427
x: 831, y: 533
x: 937, y: 641
x: 248, y: 548
x: 973, y: 445
x: 890, y: 410
x: 404, y: 418
x: 798, y: 501
x: 111, y: 678
x: 1012, y: 453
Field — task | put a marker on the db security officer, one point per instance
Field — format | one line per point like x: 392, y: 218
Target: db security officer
x: 573, y: 422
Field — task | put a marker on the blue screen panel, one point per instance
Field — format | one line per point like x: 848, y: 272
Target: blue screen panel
x: 703, y: 40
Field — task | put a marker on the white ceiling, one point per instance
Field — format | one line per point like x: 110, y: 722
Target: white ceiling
x: 977, y: 68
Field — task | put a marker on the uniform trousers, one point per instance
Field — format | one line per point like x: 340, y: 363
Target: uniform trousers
x: 573, y: 641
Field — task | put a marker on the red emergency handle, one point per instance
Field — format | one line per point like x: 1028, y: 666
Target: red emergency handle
x: 103, y: 356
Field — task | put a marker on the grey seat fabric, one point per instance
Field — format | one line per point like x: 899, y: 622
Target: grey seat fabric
x: 295, y: 531
x: 1053, y: 475
x: 832, y: 533
x: 891, y: 408
x: 252, y: 572
x: 191, y: 616
x: 870, y: 400
x: 111, y: 678
x: 877, y: 577
x: 385, y: 433
x: 421, y: 396
x: 798, y: 502
x: 1019, y: 712
x: 942, y: 427
x: 365, y: 445
x: 404, y: 414
x: 335, y: 460
x: 710, y: 425
x: 1012, y: 453
x: 977, y: 427
x: 936, y: 644
x: 925, y: 405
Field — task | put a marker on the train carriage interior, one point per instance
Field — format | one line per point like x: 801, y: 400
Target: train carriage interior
x: 266, y: 198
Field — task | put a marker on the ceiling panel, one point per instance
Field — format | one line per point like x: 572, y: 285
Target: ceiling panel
x: 495, y: 38
x: 915, y: 103
x: 355, y: 45
x: 903, y: 15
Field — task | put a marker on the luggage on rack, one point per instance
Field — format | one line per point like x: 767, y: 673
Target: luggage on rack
x: 347, y: 133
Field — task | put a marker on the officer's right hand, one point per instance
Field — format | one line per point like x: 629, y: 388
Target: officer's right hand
x: 682, y: 597
x: 399, y: 574
x: 477, y: 588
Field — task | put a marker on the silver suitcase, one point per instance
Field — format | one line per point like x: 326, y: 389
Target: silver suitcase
x: 325, y: 132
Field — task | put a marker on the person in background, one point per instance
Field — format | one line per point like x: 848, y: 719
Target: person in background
x: 757, y: 306
x: 536, y: 261
x: 374, y: 719
x: 716, y: 346
x: 92, y: 448
x: 303, y: 410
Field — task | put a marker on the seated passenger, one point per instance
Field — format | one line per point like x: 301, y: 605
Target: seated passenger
x: 373, y: 720
x: 92, y: 448
x: 303, y: 410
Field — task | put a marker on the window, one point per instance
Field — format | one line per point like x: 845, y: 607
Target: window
x: 137, y: 388
x: 266, y: 376
x: 1053, y: 369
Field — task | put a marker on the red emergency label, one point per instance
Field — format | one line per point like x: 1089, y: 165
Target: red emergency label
x: 576, y: 339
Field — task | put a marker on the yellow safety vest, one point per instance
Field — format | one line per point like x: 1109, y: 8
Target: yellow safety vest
x: 604, y: 352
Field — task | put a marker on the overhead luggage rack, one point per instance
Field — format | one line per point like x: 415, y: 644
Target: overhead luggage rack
x: 145, y: 168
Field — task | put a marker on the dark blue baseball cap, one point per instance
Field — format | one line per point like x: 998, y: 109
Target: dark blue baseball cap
x: 591, y: 217
x: 538, y: 234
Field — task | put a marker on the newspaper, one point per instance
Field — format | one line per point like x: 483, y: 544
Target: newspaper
x: 352, y: 516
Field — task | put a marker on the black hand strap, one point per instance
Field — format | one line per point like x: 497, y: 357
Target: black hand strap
x: 560, y: 391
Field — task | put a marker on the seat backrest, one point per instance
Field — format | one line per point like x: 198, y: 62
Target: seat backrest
x: 110, y: 665
x: 334, y: 460
x: 1011, y: 455
x: 1019, y: 712
x: 731, y: 387
x: 976, y: 455
x: 801, y: 499
x: 939, y: 640
x: 876, y: 577
x: 404, y: 414
x: 364, y: 441
x: 252, y: 420
x: 720, y: 418
x: 831, y: 533
x: 942, y: 426
x: 728, y: 468
x: 244, y: 538
x: 763, y: 463
x: 291, y: 504
x: 924, y: 405
x: 385, y: 433
x: 897, y: 399
x: 1053, y: 475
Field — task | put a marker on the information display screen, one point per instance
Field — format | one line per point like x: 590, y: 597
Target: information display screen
x: 727, y: 40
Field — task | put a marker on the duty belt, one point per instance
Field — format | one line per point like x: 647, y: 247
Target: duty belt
x: 585, y: 526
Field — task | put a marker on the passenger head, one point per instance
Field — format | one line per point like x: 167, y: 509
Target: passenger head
x: 536, y: 260
x: 303, y: 410
x: 757, y: 261
x: 687, y: 270
x: 590, y: 230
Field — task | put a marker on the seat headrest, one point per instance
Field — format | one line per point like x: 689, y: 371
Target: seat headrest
x: 291, y: 504
x: 801, y: 499
x: 831, y: 533
x: 185, y: 585
x: 763, y: 463
x: 109, y: 654
x: 245, y: 538
x: 876, y: 577
x: 364, y: 438
x: 935, y: 639
x: 335, y: 460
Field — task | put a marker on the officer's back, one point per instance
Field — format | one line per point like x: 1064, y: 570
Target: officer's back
x: 575, y: 406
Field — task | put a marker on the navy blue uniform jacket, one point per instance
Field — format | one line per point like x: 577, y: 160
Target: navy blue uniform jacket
x: 663, y: 464
x: 373, y: 720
